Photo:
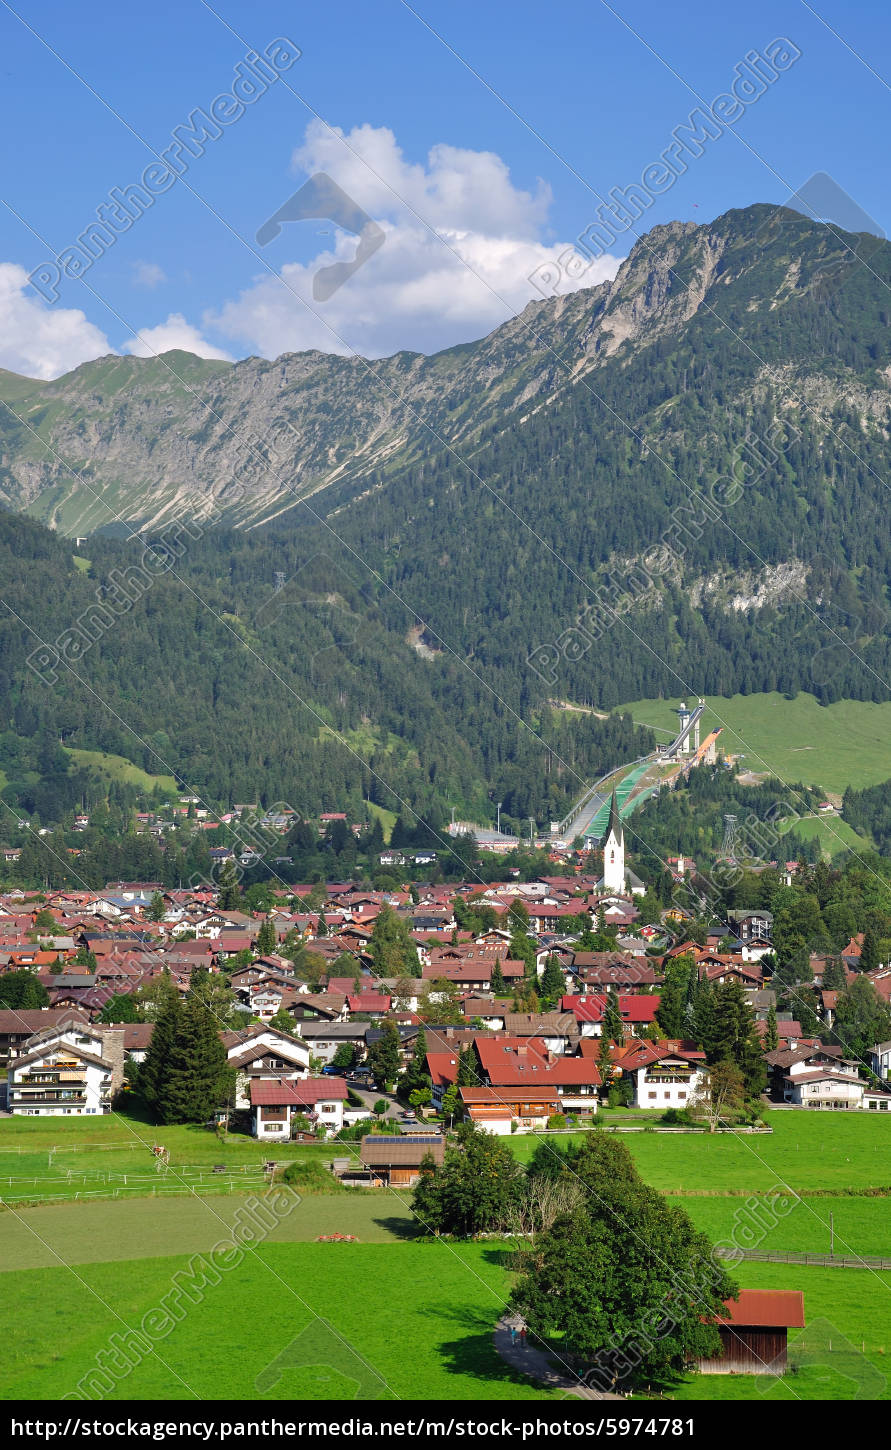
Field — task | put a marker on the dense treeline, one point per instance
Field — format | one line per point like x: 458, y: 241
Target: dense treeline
x: 870, y: 810
x: 690, y: 819
x: 245, y: 692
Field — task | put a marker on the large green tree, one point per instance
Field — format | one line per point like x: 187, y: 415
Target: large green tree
x: 476, y: 1189
x: 152, y: 1073
x: 393, y: 953
x: 196, y: 1080
x: 623, y: 1278
x: 735, y: 1039
x: 384, y: 1055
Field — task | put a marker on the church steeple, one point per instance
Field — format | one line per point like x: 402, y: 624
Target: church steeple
x: 614, y: 824
x: 614, y: 850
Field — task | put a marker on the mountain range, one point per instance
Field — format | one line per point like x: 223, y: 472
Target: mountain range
x: 675, y: 482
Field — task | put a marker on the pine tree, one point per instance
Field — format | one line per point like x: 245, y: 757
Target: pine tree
x: 467, y: 1071
x: 416, y: 1075
x: 869, y: 952
x: 322, y: 925
x: 612, y: 1027
x: 604, y: 1062
x: 229, y: 898
x: 197, y: 1080
x: 384, y: 1056
x: 553, y: 981
x: 156, y: 907
x: 267, y: 939
x: 499, y: 986
x: 734, y: 1037
x: 771, y: 1037
x: 153, y: 1072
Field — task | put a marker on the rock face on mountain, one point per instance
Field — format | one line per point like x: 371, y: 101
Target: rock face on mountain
x: 124, y: 442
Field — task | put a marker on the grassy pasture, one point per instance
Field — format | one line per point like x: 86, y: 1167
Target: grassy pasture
x: 828, y: 745
x: 420, y: 1326
x: 806, y: 1151
x: 109, y: 1232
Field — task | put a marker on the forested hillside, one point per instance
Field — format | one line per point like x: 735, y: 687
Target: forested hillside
x: 304, y: 695
x: 673, y: 483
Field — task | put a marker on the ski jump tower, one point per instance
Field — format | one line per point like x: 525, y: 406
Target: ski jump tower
x: 686, y: 742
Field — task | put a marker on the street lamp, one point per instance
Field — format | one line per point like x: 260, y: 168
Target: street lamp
x: 498, y: 821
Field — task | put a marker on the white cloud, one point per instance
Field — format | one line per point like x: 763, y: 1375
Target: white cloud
x: 148, y: 274
x: 38, y: 340
x: 175, y: 333
x: 417, y: 291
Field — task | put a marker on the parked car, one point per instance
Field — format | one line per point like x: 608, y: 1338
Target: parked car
x: 330, y: 1071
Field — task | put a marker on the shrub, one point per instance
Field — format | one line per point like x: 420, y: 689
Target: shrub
x: 310, y: 1176
x: 380, y: 1107
x: 556, y: 1120
x: 677, y: 1117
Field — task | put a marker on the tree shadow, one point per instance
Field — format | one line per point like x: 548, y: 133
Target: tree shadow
x: 502, y: 1258
x: 400, y: 1227
x: 475, y: 1356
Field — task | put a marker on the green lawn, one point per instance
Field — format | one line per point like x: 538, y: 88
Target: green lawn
x: 834, y: 834
x: 788, y: 1224
x: 832, y: 746
x: 356, y: 1321
x: 106, y: 1232
x: 43, y: 1160
x: 412, y: 1319
x: 116, y: 767
x: 806, y: 1150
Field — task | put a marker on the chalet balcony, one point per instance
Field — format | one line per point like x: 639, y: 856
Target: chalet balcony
x: 62, y: 1099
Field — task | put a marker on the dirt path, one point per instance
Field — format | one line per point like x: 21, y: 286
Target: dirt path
x: 539, y: 1365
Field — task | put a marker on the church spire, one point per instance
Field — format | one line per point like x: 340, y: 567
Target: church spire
x: 614, y: 851
x: 614, y: 824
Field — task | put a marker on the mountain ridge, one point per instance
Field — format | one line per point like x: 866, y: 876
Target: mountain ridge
x: 247, y: 440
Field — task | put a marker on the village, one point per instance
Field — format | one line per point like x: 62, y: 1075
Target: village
x: 384, y: 1026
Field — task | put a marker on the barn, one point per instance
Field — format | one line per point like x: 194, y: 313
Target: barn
x: 755, y: 1331
x: 397, y: 1161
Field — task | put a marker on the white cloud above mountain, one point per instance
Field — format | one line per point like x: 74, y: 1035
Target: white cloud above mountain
x: 461, y: 245
x: 175, y: 333
x: 38, y: 340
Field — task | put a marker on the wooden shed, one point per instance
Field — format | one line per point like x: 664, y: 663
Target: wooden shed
x: 397, y: 1160
x: 755, y: 1331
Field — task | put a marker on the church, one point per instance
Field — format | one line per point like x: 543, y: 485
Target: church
x: 616, y: 876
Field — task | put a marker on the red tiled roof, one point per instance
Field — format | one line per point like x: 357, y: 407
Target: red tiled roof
x: 267, y: 1092
x: 766, y: 1308
x: 632, y: 1008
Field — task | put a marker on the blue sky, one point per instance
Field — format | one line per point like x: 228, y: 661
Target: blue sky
x: 481, y: 153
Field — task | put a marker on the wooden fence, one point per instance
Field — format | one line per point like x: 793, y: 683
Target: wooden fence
x: 823, y: 1261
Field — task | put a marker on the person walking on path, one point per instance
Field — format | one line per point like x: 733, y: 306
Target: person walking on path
x: 523, y: 1336
x: 513, y: 1334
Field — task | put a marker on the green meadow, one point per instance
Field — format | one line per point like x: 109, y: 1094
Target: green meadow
x: 395, y: 1314
x: 797, y: 740
x: 806, y: 1151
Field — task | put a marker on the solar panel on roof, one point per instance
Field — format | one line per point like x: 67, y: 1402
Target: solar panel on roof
x: 402, y: 1138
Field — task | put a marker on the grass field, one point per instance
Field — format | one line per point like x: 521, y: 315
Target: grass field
x: 805, y: 1151
x: 402, y: 1318
x: 355, y: 1320
x: 43, y: 1161
x: 115, y: 767
x: 797, y: 740
x: 107, y: 1232
x: 834, y: 834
